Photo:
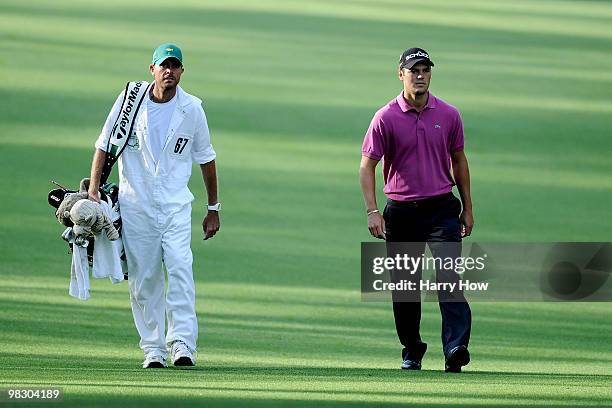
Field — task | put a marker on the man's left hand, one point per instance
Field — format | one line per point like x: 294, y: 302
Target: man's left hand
x: 467, y: 223
x: 211, y: 224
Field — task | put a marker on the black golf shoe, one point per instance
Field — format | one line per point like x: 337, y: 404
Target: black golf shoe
x: 411, y: 365
x: 457, y: 358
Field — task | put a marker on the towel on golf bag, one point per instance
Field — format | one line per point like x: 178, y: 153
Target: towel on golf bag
x: 106, y: 259
x: 79, y: 271
x: 107, y: 254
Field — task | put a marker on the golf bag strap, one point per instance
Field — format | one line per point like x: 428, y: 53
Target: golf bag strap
x: 133, y: 96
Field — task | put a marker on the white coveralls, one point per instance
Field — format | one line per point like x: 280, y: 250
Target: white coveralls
x: 155, y: 205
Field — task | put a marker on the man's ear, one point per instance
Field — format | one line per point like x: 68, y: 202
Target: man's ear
x: 151, y: 68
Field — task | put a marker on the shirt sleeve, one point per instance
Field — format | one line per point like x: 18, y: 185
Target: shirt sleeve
x: 456, y: 136
x: 202, y: 151
x: 104, y: 137
x: 374, y: 140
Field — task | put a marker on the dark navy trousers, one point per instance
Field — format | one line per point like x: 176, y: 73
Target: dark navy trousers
x: 433, y: 221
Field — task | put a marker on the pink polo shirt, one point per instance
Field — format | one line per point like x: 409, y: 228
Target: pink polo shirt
x: 415, y: 147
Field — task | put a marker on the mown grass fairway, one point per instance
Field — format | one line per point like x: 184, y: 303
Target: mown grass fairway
x: 289, y: 89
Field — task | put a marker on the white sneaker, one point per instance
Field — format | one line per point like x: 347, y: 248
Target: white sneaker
x: 182, y: 356
x: 154, y: 361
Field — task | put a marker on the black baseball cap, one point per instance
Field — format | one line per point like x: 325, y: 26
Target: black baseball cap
x: 414, y: 55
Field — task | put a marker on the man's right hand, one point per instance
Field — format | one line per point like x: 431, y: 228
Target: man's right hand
x: 376, y: 225
x: 93, y: 195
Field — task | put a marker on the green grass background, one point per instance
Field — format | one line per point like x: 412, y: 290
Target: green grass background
x: 289, y: 88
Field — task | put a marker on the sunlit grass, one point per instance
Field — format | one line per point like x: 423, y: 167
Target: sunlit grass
x: 289, y: 88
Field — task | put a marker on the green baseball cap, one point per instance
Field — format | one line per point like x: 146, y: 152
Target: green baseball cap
x: 166, y: 51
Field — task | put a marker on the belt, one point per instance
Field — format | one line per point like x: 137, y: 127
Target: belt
x: 423, y: 202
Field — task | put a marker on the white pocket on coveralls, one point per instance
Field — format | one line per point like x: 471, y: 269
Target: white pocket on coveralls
x: 180, y: 146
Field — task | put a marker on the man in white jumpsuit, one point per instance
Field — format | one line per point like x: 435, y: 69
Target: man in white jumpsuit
x: 170, y: 132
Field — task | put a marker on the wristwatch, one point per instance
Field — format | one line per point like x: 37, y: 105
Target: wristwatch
x: 214, y: 207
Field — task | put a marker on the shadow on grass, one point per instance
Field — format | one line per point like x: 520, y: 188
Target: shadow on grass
x: 304, y: 329
x: 305, y: 386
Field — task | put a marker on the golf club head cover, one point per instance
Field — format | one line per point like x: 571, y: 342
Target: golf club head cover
x: 89, y: 219
x: 63, y: 211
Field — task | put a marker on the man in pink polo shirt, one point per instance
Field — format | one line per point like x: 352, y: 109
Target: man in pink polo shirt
x: 418, y: 136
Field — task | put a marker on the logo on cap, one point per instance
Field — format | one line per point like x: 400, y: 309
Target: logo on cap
x: 169, y: 49
x: 416, y: 54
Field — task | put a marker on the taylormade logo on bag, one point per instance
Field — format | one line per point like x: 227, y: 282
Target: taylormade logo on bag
x: 133, y: 96
x: 126, y: 111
